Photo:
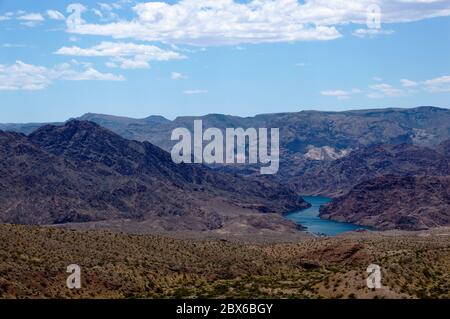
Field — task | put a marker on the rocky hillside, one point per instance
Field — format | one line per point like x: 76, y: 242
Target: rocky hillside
x: 394, y: 202
x: 33, y: 263
x: 83, y: 173
x: 444, y: 148
x: 338, y: 177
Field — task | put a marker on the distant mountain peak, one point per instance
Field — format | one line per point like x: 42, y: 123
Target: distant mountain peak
x: 72, y: 129
x: 101, y: 118
x: 81, y: 124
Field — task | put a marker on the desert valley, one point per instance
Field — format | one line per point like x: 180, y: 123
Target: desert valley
x: 102, y: 191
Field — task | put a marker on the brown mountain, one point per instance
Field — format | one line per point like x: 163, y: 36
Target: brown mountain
x: 81, y: 172
x: 339, y: 176
x: 389, y: 202
x: 306, y: 137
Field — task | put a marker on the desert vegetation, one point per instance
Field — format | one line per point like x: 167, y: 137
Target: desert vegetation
x: 33, y: 263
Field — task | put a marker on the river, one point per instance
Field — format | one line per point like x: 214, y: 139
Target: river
x: 310, y: 219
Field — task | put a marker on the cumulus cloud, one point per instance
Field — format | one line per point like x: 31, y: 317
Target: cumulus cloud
x: 23, y: 76
x: 208, y: 22
x: 126, y: 55
x: 228, y: 22
x: 55, y: 15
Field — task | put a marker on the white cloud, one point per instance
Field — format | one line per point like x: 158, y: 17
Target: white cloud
x: 127, y: 55
x: 228, y: 22
x: 371, y: 33
x: 195, y: 92
x: 31, y: 19
x: 436, y: 85
x: 208, y: 22
x: 421, y: 1
x: 384, y: 90
x: 106, y: 12
x: 55, y: 15
x: 177, y: 76
x: 408, y: 83
x: 89, y: 74
x: 110, y: 6
x: 23, y: 76
x: 4, y: 18
x: 341, y: 94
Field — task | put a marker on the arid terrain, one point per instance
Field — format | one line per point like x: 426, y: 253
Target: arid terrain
x: 101, y: 196
x: 33, y: 263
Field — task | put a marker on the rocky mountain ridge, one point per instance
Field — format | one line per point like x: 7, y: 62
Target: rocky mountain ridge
x: 82, y: 173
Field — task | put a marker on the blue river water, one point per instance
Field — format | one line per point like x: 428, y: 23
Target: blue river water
x: 310, y: 219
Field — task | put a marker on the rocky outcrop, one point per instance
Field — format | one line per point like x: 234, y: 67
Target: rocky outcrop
x: 394, y: 202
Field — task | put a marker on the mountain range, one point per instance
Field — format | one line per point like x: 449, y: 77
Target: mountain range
x: 336, y: 154
x: 305, y: 137
x: 427, y: 126
x: 80, y: 172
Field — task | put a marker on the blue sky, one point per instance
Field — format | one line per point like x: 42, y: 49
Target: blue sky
x: 194, y: 57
